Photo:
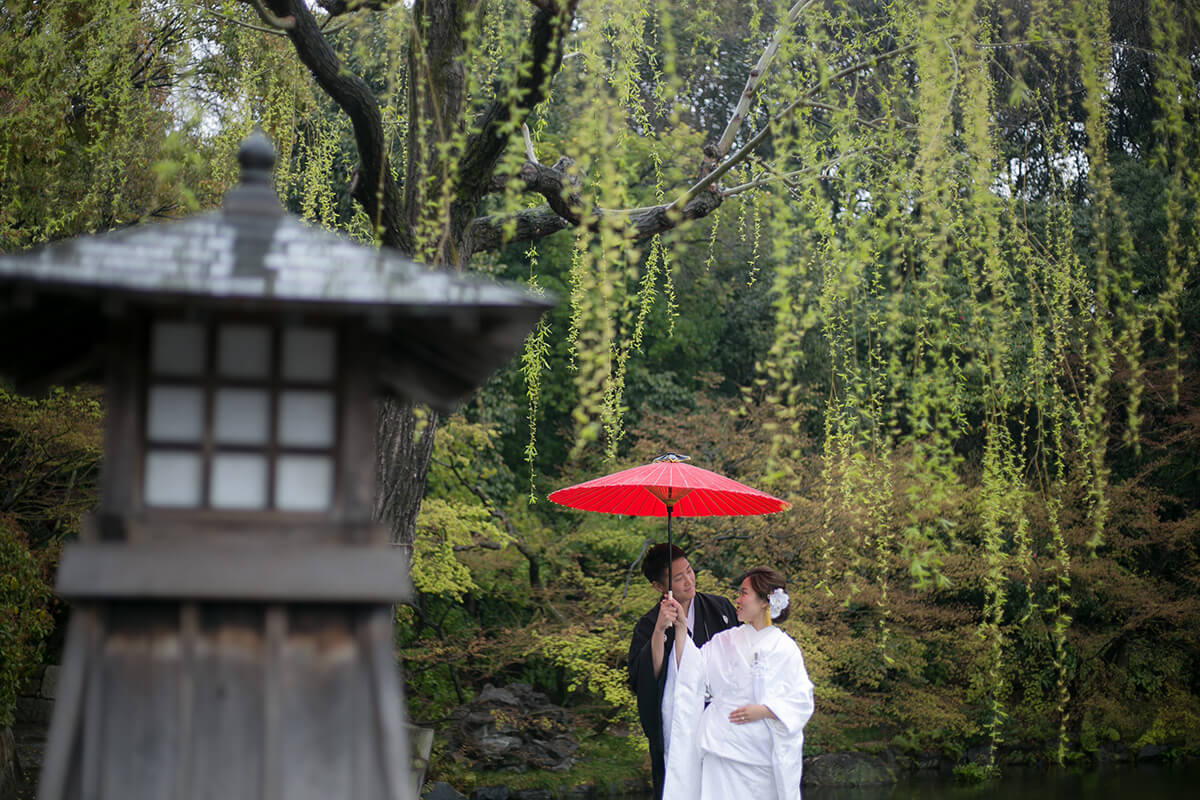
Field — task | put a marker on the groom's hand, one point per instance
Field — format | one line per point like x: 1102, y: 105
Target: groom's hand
x: 668, y: 614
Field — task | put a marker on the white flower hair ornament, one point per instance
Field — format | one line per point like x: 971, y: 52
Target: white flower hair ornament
x: 779, y: 601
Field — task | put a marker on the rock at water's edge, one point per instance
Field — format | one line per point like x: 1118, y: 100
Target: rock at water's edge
x: 847, y: 769
x: 491, y: 793
x: 443, y: 791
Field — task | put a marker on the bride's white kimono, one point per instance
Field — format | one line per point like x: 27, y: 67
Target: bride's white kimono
x: 709, y: 756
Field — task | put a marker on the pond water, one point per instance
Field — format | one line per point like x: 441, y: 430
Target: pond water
x: 1144, y: 782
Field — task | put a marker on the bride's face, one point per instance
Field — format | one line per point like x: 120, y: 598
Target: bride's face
x: 750, y: 606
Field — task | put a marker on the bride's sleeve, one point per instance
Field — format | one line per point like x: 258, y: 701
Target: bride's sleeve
x: 788, y: 692
x: 682, y: 780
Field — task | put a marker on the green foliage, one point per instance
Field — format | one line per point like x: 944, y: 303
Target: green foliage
x: 442, y: 527
x: 605, y: 762
x: 49, y: 459
x: 975, y: 773
x: 25, y: 618
x: 595, y: 662
x: 84, y: 118
x: 1176, y: 722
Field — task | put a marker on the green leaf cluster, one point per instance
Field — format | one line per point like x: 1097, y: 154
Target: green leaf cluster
x: 49, y: 464
x: 25, y: 616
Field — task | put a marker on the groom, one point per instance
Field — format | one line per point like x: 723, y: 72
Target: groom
x: 654, y: 635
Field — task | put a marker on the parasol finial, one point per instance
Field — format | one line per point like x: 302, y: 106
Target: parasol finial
x: 674, y: 458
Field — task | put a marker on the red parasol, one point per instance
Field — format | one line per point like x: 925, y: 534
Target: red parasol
x: 667, y: 487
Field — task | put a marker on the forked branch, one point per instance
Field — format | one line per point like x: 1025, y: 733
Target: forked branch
x: 281, y: 22
x: 745, y: 150
x: 698, y: 201
x: 756, y: 77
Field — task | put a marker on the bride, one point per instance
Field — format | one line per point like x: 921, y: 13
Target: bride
x: 748, y: 741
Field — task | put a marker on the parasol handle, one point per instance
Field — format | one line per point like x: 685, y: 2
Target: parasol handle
x: 670, y: 557
x: 669, y: 498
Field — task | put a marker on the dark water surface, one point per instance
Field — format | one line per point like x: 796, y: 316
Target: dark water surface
x: 1144, y: 782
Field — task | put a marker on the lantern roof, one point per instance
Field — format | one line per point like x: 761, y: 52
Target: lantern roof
x: 446, y: 330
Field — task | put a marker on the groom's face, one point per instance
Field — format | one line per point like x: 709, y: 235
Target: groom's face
x: 683, y: 581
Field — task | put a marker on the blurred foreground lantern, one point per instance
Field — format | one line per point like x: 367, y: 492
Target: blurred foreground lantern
x: 230, y: 634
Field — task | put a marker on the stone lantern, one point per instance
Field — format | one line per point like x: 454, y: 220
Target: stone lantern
x: 231, y: 632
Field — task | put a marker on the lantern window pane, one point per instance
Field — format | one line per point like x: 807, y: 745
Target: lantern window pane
x: 177, y: 348
x: 244, y: 351
x: 308, y: 354
x: 241, y: 415
x: 172, y: 479
x: 306, y: 419
x: 303, y: 483
x: 238, y: 481
x: 175, y: 413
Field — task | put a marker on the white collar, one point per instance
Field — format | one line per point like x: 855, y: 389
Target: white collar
x: 757, y: 637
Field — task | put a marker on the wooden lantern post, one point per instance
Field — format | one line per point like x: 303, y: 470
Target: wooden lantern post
x: 231, y: 629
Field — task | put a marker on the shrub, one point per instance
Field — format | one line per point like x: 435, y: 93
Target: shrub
x: 25, y: 618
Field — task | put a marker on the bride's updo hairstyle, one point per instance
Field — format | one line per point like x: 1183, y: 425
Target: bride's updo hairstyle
x: 764, y: 580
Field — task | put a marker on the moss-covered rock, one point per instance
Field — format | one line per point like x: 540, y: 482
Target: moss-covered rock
x: 848, y: 769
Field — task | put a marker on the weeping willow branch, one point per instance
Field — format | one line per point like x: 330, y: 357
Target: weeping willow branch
x: 866, y: 123
x: 374, y: 189
x: 548, y: 30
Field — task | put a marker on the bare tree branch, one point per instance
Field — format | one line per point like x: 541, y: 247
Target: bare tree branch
x: 785, y: 177
x: 558, y: 185
x: 756, y: 76
x: 629, y: 575
x: 484, y: 545
x: 283, y: 22
x: 238, y: 22
x: 530, y: 156
x: 493, y: 232
x: 334, y: 8
x: 744, y: 152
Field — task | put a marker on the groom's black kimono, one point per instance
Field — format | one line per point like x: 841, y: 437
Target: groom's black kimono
x: 713, y: 615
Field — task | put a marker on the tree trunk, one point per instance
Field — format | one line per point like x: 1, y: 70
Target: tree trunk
x: 436, y: 94
x: 405, y: 445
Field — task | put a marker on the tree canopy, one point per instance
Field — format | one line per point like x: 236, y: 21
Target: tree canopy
x: 926, y: 269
